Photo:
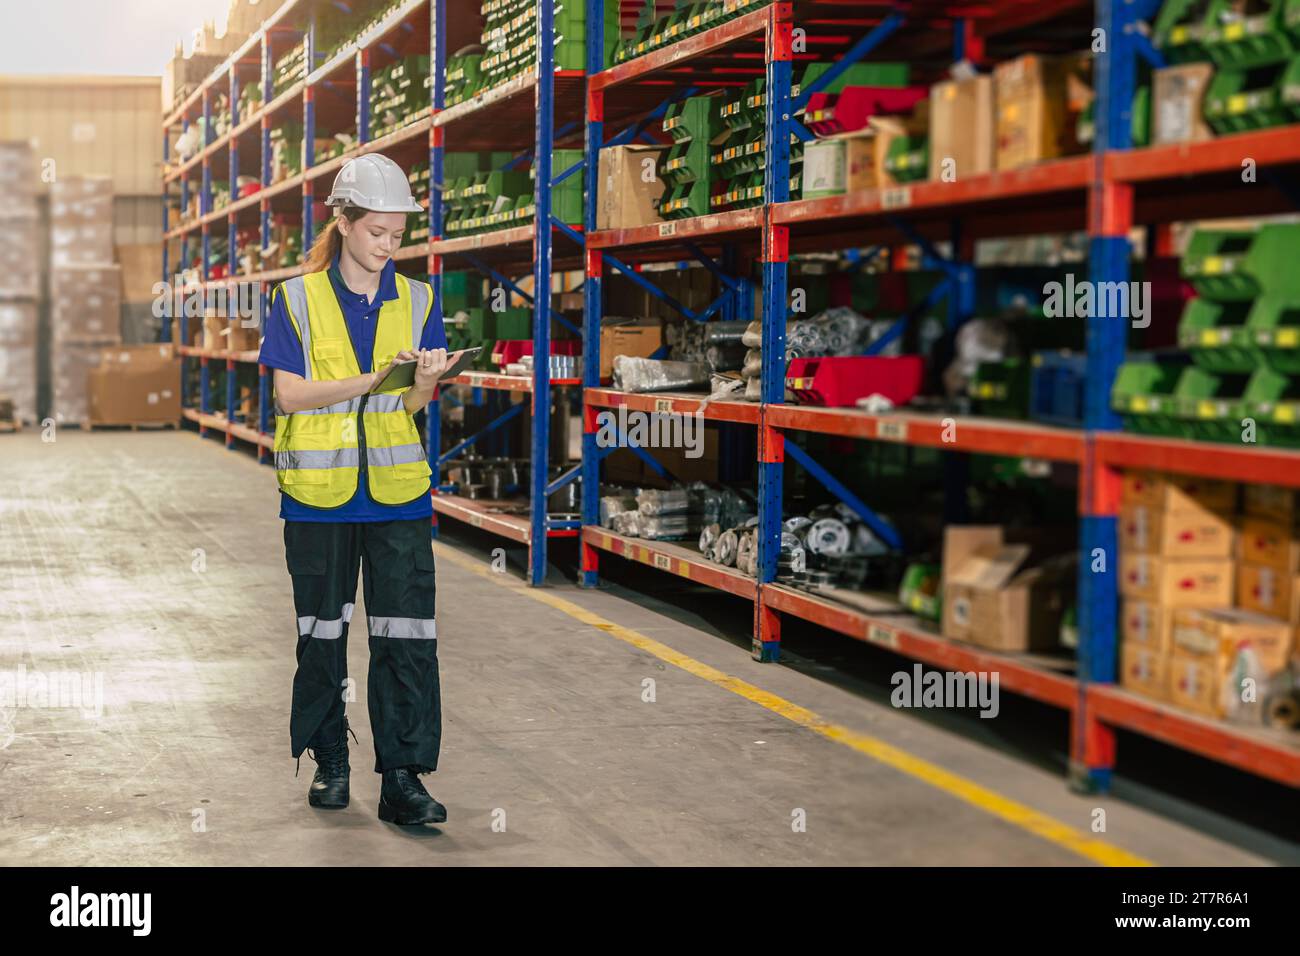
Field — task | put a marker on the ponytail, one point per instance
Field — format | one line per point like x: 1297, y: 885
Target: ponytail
x: 321, y: 255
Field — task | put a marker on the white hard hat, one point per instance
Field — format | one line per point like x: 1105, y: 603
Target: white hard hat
x: 373, y: 182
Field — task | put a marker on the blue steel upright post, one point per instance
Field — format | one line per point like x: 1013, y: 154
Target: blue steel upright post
x: 544, y: 140
x: 776, y: 257
x: 591, y: 291
x: 1109, y: 219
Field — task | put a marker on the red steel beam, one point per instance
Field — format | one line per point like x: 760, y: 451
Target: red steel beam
x: 1269, y: 466
x: 1253, y: 751
x: 656, y: 556
x: 900, y: 635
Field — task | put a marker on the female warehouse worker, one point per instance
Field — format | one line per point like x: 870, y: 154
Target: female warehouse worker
x: 355, y: 489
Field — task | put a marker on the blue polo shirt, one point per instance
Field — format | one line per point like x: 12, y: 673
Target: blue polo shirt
x: 281, y: 348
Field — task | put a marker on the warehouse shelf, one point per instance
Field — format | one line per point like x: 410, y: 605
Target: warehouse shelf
x: 206, y: 420
x: 508, y: 383
x: 985, y: 202
x: 480, y: 514
x: 713, y: 228
x: 673, y: 558
x: 1105, y: 193
x: 683, y: 403
x: 239, y: 355
x: 1040, y: 677
x: 1245, y: 463
x: 986, y: 436
x: 503, y: 117
x: 1272, y: 754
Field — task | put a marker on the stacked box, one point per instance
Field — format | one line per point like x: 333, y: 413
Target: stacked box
x: 1177, y: 543
x: 19, y: 234
x: 81, y: 221
x: 18, y: 357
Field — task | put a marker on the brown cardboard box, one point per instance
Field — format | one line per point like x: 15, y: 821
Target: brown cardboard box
x: 962, y: 127
x: 86, y: 303
x: 1194, y: 684
x: 1272, y: 543
x: 1178, y: 493
x: 136, y: 384
x: 624, y: 196
x: 1266, y: 590
x: 1219, y: 633
x: 1144, y: 671
x: 81, y: 220
x: 70, y: 368
x: 850, y: 162
x: 1178, y: 92
x: 20, y: 272
x: 1189, y: 534
x: 996, y: 600
x: 1270, y: 501
x: 141, y: 267
x: 636, y: 337
x: 241, y: 338
x: 1034, y: 119
x: 1201, y: 582
x: 214, y: 332
x: 18, y: 380
x: 1148, y: 625
x: 960, y: 543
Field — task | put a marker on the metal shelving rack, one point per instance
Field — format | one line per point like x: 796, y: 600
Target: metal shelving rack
x: 494, y: 119
x: 1105, y: 193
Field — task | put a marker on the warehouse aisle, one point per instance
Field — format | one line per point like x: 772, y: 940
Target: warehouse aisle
x: 154, y: 561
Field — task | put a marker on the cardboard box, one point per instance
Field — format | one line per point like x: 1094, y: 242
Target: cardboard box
x: 1220, y: 633
x: 1195, y: 685
x: 1188, y: 534
x: 997, y: 600
x: 960, y: 543
x: 1038, y: 99
x: 1144, y: 671
x: 1143, y: 624
x: 850, y: 162
x: 81, y: 221
x: 86, y: 303
x: 1178, y: 493
x: 1267, y: 590
x: 136, y: 384
x: 638, y: 337
x: 18, y: 380
x: 1270, y: 501
x: 70, y: 368
x: 20, y: 265
x: 962, y: 127
x: 1271, y: 543
x: 629, y: 186
x: 1199, y: 582
x: 141, y: 269
x: 1177, y: 95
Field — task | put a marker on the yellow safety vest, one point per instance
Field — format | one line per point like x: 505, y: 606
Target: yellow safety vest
x: 319, y: 452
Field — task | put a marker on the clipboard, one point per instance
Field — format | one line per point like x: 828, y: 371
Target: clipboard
x: 402, y: 375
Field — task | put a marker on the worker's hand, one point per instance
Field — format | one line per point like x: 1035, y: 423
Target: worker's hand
x: 431, y: 364
x: 405, y: 355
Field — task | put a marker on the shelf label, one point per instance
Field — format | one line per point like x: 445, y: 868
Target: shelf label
x: 899, y: 198
x: 476, y: 520
x: 877, y: 634
x: 891, y: 431
x: 667, y: 229
x: 663, y: 404
x: 1288, y: 338
x: 663, y: 562
x: 684, y: 569
x: 1284, y: 414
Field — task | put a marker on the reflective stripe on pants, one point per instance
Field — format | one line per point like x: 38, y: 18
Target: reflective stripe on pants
x: 396, y: 564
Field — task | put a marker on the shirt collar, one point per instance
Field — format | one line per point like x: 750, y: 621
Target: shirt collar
x: 387, y: 284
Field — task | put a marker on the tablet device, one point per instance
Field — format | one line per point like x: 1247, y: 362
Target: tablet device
x: 402, y: 375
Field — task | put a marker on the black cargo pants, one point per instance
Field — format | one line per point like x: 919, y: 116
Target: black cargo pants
x: 397, y: 568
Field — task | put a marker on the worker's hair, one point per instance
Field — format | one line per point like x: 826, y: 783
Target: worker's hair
x: 327, y: 244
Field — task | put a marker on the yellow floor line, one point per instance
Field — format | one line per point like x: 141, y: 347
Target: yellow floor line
x: 973, y: 793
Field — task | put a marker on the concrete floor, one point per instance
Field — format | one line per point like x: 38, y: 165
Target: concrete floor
x: 156, y: 561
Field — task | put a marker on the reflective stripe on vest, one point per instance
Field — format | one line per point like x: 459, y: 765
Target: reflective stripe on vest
x: 317, y: 452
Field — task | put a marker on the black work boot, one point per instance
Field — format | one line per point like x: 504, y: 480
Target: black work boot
x: 329, y: 787
x: 404, y: 801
